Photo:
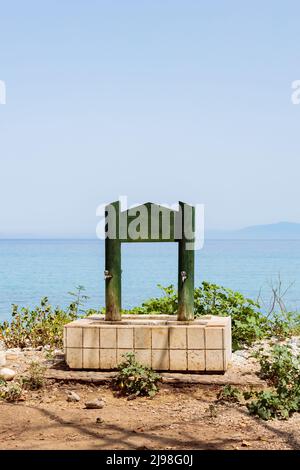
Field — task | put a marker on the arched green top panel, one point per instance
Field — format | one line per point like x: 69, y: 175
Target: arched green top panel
x: 147, y: 222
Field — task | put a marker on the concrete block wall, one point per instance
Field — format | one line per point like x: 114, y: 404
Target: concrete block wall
x: 163, y: 344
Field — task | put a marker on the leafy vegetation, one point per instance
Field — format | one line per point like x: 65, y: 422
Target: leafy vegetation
x: 284, y: 324
x: 40, y: 326
x: 248, y: 323
x: 79, y: 300
x: 35, y: 379
x: 229, y: 394
x: 134, y: 379
x: 10, y: 391
x: 43, y: 325
x: 167, y: 304
x: 282, y: 371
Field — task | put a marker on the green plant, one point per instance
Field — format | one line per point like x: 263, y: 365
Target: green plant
x: 35, y: 379
x: 282, y: 371
x: 79, y: 299
x: 229, y: 394
x: 270, y: 404
x: 40, y: 326
x: 212, y: 411
x: 10, y: 391
x: 167, y: 304
x: 134, y: 379
x: 280, y: 367
x: 284, y: 324
x: 248, y: 323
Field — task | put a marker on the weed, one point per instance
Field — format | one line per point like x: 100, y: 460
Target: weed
x: 36, y: 376
x: 10, y: 391
x: 229, y: 394
x: 282, y: 371
x: 134, y: 379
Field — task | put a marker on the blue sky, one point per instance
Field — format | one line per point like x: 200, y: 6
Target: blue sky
x: 156, y: 100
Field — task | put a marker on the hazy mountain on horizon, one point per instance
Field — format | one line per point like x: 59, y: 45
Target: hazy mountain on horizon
x: 280, y: 230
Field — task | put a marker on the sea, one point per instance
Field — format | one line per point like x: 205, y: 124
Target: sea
x: 32, y: 269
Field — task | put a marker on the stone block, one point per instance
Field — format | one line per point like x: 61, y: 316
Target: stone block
x: 142, y: 337
x: 160, y: 359
x: 160, y: 338
x: 125, y: 338
x: 91, y: 337
x: 195, y: 337
x: 178, y: 336
x: 74, y: 337
x: 91, y: 358
x: 108, y: 337
x: 196, y: 359
x: 143, y: 356
x: 214, y: 338
x: 214, y: 359
x: 74, y: 358
x: 178, y: 359
x: 108, y: 358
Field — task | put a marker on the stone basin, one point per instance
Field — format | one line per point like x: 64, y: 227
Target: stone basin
x: 158, y: 341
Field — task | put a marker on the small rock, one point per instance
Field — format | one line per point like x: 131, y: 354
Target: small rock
x: 7, y: 374
x: 245, y: 444
x: 99, y: 420
x: 132, y: 397
x: 73, y: 397
x: 94, y: 404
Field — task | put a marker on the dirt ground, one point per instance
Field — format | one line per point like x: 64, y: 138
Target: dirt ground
x: 181, y: 416
x: 177, y: 418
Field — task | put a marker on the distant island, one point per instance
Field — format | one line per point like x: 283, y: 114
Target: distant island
x: 278, y: 231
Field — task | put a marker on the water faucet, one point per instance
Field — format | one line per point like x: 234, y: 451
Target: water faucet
x: 107, y: 275
x: 183, y: 276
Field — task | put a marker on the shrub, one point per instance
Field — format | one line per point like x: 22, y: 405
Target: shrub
x: 248, y: 324
x: 229, y: 394
x: 38, y: 327
x: 10, y: 391
x: 134, y: 379
x: 282, y: 370
x: 284, y: 324
x: 36, y: 376
x: 42, y: 325
x: 167, y: 304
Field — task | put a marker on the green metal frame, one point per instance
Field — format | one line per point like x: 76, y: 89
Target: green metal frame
x: 154, y: 233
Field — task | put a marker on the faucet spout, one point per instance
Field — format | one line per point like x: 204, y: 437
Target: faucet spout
x: 107, y: 275
x: 183, y: 276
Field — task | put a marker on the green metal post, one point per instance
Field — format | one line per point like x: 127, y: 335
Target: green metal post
x: 186, y: 262
x: 113, y: 269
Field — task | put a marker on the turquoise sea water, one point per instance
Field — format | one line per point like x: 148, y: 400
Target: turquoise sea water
x: 31, y: 269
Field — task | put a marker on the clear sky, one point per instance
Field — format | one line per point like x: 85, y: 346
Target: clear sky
x: 154, y: 99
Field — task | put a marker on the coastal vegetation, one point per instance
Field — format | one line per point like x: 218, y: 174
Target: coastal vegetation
x: 135, y: 379
x: 281, y: 369
x: 43, y: 325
